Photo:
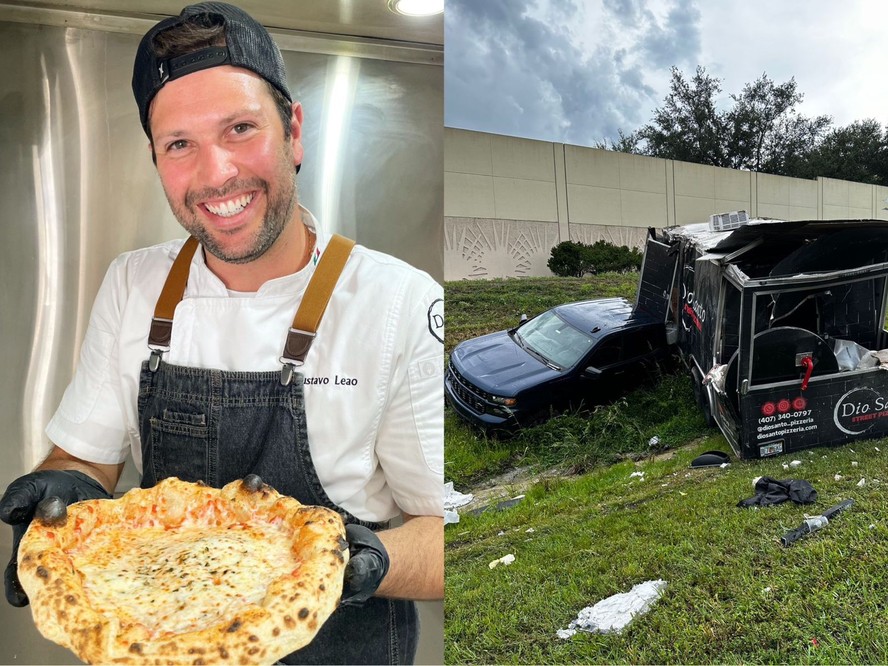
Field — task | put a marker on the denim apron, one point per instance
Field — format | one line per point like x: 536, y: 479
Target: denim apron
x: 217, y: 426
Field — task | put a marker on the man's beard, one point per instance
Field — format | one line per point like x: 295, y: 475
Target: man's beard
x: 279, y: 210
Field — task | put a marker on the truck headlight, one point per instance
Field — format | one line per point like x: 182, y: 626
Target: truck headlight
x: 508, y: 402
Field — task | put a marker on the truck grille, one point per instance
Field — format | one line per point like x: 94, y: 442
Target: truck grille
x: 468, y: 393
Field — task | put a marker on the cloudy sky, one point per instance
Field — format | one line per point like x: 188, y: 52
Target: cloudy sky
x: 576, y: 71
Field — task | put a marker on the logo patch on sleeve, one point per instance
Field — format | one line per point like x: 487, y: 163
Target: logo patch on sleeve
x: 436, y: 319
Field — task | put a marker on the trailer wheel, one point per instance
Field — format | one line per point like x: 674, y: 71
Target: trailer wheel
x: 701, y: 398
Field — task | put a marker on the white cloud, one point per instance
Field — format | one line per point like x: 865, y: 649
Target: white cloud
x: 578, y: 71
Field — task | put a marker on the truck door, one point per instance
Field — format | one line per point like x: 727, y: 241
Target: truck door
x: 657, y: 279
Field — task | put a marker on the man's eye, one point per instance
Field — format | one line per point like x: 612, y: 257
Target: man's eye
x: 242, y: 128
x: 181, y: 144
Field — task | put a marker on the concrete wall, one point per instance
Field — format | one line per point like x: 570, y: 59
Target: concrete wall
x: 508, y: 201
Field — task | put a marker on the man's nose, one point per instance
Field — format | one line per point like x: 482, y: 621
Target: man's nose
x: 217, y: 166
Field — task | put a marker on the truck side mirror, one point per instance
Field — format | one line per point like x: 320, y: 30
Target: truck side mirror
x: 592, y: 371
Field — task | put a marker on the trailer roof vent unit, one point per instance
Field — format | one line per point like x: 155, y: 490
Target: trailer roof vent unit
x: 728, y: 221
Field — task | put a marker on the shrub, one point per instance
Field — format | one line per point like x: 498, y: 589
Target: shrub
x: 569, y: 259
x: 572, y: 259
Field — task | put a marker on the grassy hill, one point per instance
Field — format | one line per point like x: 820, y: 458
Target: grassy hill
x: 587, y: 528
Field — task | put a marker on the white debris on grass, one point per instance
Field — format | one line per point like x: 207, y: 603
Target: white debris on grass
x: 450, y: 517
x: 505, y: 560
x: 501, y: 533
x: 529, y: 530
x: 872, y: 526
x: 454, y: 499
x: 795, y: 463
x: 785, y: 466
x: 640, y: 475
x: 854, y: 463
x: 723, y: 465
x: 838, y: 477
x: 654, y: 441
x: 766, y: 590
x: 613, y: 614
x: 861, y: 483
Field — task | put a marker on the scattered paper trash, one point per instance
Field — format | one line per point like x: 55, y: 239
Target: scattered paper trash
x: 785, y: 466
x: 529, y: 530
x: 872, y: 526
x: 654, y: 441
x: 838, y: 477
x: 852, y: 450
x: 450, y: 517
x: 877, y: 449
x: 640, y: 475
x: 501, y: 533
x: 861, y: 483
x: 766, y: 590
x: 613, y: 614
x: 723, y: 465
x: 795, y: 463
x: 505, y: 560
x: 454, y: 499
x: 853, y: 463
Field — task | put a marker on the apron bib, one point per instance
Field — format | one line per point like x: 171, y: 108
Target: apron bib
x: 217, y: 426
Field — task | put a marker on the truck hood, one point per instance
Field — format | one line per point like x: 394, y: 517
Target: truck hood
x: 496, y: 364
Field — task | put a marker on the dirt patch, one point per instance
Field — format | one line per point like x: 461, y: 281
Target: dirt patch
x: 519, y: 480
x: 507, y: 486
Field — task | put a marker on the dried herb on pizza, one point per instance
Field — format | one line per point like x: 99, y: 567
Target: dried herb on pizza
x: 182, y: 573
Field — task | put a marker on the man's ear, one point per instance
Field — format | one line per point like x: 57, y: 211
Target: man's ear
x: 296, y: 133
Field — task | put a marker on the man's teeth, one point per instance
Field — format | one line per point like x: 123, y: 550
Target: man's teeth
x: 232, y: 207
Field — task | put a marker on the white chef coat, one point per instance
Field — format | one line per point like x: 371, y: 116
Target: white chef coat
x: 373, y: 377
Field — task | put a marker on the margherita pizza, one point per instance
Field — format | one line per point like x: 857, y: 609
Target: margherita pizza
x: 182, y: 573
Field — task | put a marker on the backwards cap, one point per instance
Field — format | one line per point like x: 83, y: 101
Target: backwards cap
x: 248, y: 45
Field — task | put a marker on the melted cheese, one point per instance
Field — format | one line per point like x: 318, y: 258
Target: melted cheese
x: 181, y: 580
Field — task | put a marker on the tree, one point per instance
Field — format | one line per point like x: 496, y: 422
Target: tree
x: 857, y: 152
x: 626, y: 143
x: 688, y: 126
x: 765, y: 132
x: 761, y: 131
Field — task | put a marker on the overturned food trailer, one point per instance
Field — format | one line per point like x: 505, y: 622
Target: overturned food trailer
x: 781, y: 324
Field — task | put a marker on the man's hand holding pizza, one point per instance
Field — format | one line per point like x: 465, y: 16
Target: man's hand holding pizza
x: 20, y: 501
x: 367, y: 565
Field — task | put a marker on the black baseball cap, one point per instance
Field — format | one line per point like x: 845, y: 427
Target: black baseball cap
x: 248, y: 45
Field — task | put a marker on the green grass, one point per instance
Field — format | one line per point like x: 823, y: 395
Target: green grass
x: 602, y: 532
x: 734, y: 594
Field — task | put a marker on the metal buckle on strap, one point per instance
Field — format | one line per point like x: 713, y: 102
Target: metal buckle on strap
x: 155, y: 358
x: 159, y: 340
x: 296, y: 347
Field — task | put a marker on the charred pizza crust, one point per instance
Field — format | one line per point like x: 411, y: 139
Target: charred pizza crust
x: 174, y: 547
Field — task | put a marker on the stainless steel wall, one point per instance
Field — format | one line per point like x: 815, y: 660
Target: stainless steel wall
x: 80, y: 188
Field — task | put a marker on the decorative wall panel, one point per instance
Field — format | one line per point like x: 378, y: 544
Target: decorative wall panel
x: 484, y: 248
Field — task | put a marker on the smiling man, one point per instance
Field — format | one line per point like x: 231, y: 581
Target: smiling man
x: 223, y: 381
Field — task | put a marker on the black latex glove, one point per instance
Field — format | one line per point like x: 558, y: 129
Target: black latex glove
x: 19, y: 502
x: 367, y: 565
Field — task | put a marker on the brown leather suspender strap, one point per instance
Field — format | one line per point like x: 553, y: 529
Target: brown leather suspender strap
x: 314, y: 303
x: 305, y: 323
x: 173, y: 289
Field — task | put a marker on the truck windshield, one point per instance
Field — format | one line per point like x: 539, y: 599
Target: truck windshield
x: 554, y: 339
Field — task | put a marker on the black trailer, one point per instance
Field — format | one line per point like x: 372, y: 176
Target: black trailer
x: 782, y: 326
